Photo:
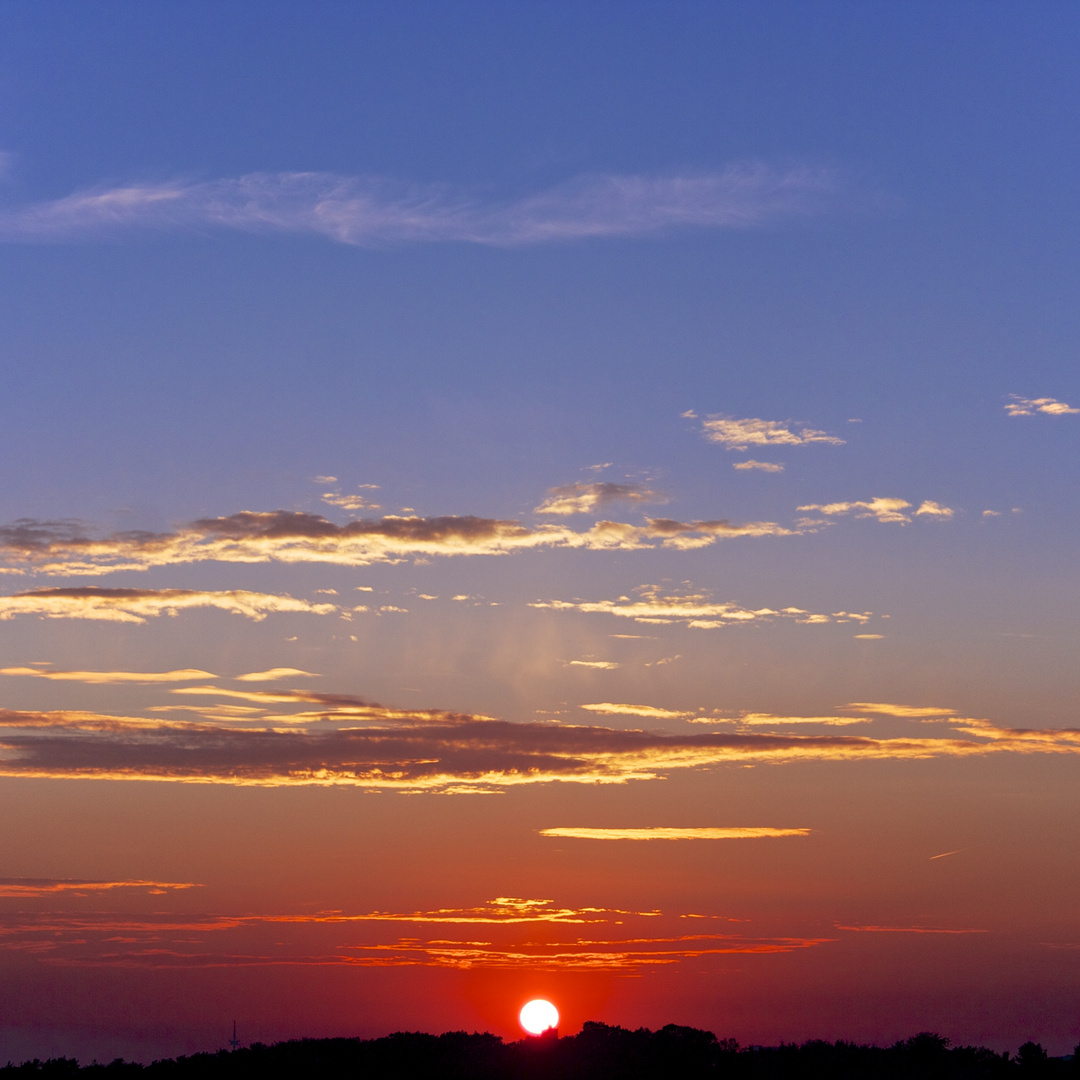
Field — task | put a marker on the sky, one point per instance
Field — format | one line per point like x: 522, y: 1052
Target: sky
x: 538, y: 499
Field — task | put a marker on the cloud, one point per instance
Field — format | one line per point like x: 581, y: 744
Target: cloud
x: 373, y: 212
x: 885, y: 510
x: 610, y: 708
x: 618, y: 940
x: 764, y: 466
x: 736, y: 434
x: 933, y: 509
x: 274, y: 674
x: 662, y: 833
x: 345, y: 740
x: 1022, y: 406
x: 695, y: 610
x: 27, y: 888
x: 138, y: 605
x: 599, y: 665
x: 110, y: 677
x: 910, y: 712
x: 582, y: 498
x: 907, y: 930
x: 756, y: 719
x: 63, y: 548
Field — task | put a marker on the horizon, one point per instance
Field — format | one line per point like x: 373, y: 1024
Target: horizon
x: 510, y: 501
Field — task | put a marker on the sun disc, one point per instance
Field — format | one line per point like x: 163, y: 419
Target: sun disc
x: 538, y: 1016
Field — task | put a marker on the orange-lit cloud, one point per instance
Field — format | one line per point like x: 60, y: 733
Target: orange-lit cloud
x: 694, y: 609
x: 912, y: 712
x: 295, y: 537
x: 597, y: 665
x: 772, y: 720
x: 1022, y: 406
x: 618, y: 939
x: 111, y: 677
x: 138, y: 605
x: 347, y: 741
x: 583, y: 498
x: 665, y: 833
x: 908, y: 930
x: 25, y: 888
x: 736, y: 434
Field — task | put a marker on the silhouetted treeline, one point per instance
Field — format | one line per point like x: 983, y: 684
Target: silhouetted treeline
x: 599, y: 1052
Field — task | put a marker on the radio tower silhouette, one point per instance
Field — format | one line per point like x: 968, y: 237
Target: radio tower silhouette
x: 234, y: 1042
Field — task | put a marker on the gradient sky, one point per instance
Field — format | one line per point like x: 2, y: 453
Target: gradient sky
x: 514, y: 499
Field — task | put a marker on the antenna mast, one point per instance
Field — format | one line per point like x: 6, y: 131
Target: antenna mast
x: 234, y: 1042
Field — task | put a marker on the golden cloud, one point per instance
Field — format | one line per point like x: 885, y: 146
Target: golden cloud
x: 138, y: 605
x: 1022, y: 406
x: 694, y: 609
x: 735, y: 434
x: 762, y: 466
x: 111, y: 677
x: 886, y: 510
x: 347, y: 741
x: 664, y: 833
x: 61, y: 548
x: 583, y: 498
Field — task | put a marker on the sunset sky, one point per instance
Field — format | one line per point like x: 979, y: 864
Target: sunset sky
x: 538, y: 499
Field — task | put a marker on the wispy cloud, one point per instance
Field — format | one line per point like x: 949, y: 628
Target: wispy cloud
x: 664, y: 833
x: 651, y: 712
x: 757, y: 719
x: 27, y: 888
x: 583, y: 498
x: 735, y: 434
x: 373, y: 212
x: 63, y: 547
x: 598, y: 665
x: 694, y: 609
x: 111, y: 677
x: 617, y: 940
x: 1022, y: 406
x: 138, y: 605
x: 886, y: 510
x: 763, y: 466
x: 909, y: 712
x: 908, y: 930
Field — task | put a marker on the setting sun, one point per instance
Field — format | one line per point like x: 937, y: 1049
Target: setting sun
x: 538, y: 1016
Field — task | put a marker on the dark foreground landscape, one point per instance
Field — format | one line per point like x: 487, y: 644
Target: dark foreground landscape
x: 599, y: 1052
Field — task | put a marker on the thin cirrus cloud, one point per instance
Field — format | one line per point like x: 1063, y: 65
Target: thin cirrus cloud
x: 740, y: 434
x: 28, y: 888
x: 346, y: 741
x: 666, y: 833
x: 1022, y: 406
x: 650, y: 712
x: 62, y: 547
x: 886, y: 510
x: 105, y: 678
x: 583, y: 498
x: 696, y: 610
x: 138, y: 605
x: 373, y: 212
